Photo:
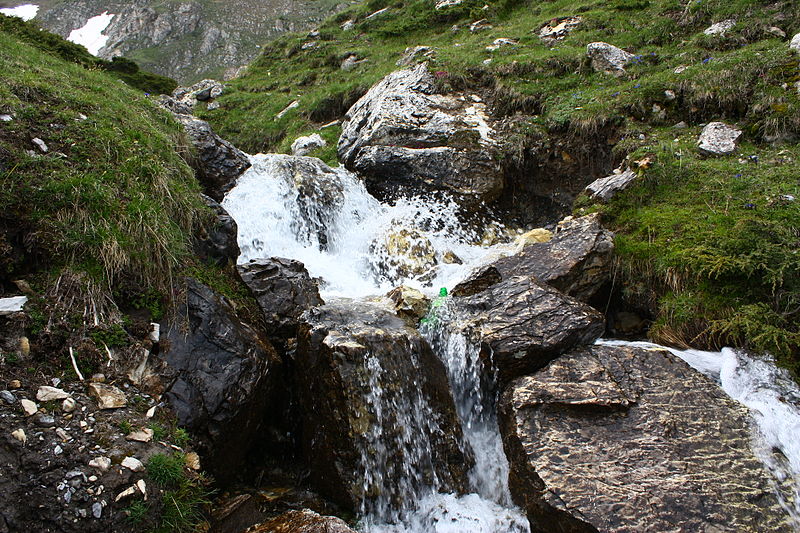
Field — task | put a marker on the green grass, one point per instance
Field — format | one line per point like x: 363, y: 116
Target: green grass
x: 710, y: 270
x: 185, y: 495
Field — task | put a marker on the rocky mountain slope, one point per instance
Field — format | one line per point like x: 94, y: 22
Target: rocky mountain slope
x: 189, y: 40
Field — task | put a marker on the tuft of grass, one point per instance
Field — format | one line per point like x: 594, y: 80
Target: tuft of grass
x: 167, y: 470
x: 125, y: 427
x: 137, y: 511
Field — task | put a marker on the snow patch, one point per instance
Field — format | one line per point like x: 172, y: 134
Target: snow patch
x: 91, y: 35
x: 25, y: 12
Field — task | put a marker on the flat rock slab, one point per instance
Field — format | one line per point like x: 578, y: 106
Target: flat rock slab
x: 718, y: 138
x: 108, y: 396
x: 618, y: 439
x: 606, y: 188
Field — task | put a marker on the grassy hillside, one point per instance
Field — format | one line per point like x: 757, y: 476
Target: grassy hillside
x: 707, y: 246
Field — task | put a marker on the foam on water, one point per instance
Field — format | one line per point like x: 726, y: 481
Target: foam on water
x: 25, y: 12
x: 774, y: 402
x: 91, y: 34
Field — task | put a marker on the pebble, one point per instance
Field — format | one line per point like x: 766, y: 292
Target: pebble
x: 133, y: 463
x: 193, y: 461
x: 58, y: 450
x: 29, y: 407
x: 101, y: 463
x: 14, y: 384
x: 73, y: 473
x: 63, y: 435
x: 8, y: 397
x: 92, y: 479
x: 40, y: 144
x: 151, y: 412
x: 68, y: 405
x: 98, y: 378
x: 142, y: 435
x: 45, y: 421
x: 49, y: 394
x: 97, y: 510
x: 20, y: 435
x: 130, y: 491
x: 142, y: 487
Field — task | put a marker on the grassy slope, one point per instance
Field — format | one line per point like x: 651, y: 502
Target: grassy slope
x: 709, y: 245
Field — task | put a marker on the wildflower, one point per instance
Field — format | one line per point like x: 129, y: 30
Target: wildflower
x: 637, y: 85
x: 706, y: 60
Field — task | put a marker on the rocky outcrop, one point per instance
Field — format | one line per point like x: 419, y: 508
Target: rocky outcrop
x: 608, y: 58
x: 218, y: 162
x: 606, y: 188
x: 523, y: 324
x: 284, y: 291
x: 720, y: 28
x: 220, y: 375
x: 403, y: 134
x: 410, y: 304
x: 558, y: 28
x: 615, y: 439
x: 215, y: 239
x: 305, y: 521
x: 202, y: 91
x: 576, y: 261
x: 375, y: 398
x: 718, y: 139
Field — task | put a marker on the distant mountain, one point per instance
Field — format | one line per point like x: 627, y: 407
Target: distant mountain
x: 187, y: 40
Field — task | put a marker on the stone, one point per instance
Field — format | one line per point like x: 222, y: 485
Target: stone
x: 305, y: 145
x: 351, y: 62
x: 284, y: 291
x: 20, y: 435
x: 480, y: 25
x: 45, y: 421
x: 718, y: 139
x: 415, y: 54
x: 29, y: 407
x: 215, y: 239
x: 410, y: 304
x: 534, y: 236
x: 49, y: 394
x: 794, y: 44
x: 349, y: 351
x: 720, y: 28
x: 8, y: 397
x: 132, y: 463
x: 606, y: 188
x: 108, y: 396
x: 127, y: 493
x: 403, y: 253
x: 558, y: 28
x: 348, y: 25
x: 403, y: 137
x: 294, y: 105
x: 12, y: 305
x: 629, y: 439
x: 222, y: 375
x: 444, y: 4
x: 68, y: 405
x: 97, y: 509
x: 63, y: 435
x: 608, y: 58
x: 193, y: 461
x: 6, y: 117
x: 15, y: 384
x: 201, y: 91
x: 522, y: 324
x: 304, y: 521
x: 101, y: 463
x: 98, y: 378
x: 501, y: 42
x: 40, y: 144
x: 142, y: 486
x: 140, y: 435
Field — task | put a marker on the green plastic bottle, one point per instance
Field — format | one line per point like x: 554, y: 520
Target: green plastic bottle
x: 431, y: 318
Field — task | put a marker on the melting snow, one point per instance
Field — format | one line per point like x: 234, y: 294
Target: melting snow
x: 25, y: 12
x: 91, y: 35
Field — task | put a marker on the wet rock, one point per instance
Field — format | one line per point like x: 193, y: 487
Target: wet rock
x: 576, y: 261
x: 305, y: 521
x: 365, y: 380
x: 608, y: 58
x: 284, y: 291
x: 403, y: 253
x: 523, y: 324
x: 477, y: 282
x: 305, y: 145
x: 618, y: 439
x: 132, y: 463
x: 30, y: 408
x: 720, y: 28
x: 401, y: 134
x: 415, y: 54
x: 558, y: 28
x: 605, y: 188
x: 222, y: 376
x: 108, y: 396
x: 535, y: 235
x: 409, y: 304
x: 215, y: 240
x: 218, y: 162
x: 49, y: 394
x: 718, y: 138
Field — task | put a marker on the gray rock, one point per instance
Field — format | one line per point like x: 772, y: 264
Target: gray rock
x: 97, y: 509
x: 523, y: 324
x: 414, y: 54
x: 305, y: 145
x: 608, y: 58
x: 6, y: 117
x: 558, y: 28
x: 444, y: 4
x: 621, y: 439
x: 720, y: 28
x: 45, y: 421
x: 794, y: 44
x: 375, y: 397
x: 201, y: 91
x: 284, y: 291
x: 40, y: 144
x: 222, y: 374
x: 348, y: 25
x: 605, y: 188
x: 215, y: 239
x: 402, y: 135
x: 351, y: 62
x: 718, y: 138
x: 8, y: 397
x: 480, y: 25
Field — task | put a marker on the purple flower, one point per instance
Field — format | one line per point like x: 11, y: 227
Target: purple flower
x: 615, y: 94
x: 706, y: 60
x: 637, y: 85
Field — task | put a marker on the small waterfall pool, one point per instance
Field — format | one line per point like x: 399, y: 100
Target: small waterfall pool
x: 358, y: 247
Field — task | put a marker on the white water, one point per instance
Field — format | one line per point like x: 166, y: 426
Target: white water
x: 343, y: 243
x: 25, y: 12
x: 773, y: 399
x: 91, y: 34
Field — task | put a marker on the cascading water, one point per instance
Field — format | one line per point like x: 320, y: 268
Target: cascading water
x: 774, y: 402
x: 348, y: 240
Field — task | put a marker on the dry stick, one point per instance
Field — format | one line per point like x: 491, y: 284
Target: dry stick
x: 110, y: 357
x: 75, y: 364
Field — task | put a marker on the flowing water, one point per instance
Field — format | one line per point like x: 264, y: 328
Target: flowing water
x: 359, y: 247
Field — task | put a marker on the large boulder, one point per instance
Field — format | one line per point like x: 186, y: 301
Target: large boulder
x: 221, y: 375
x: 718, y: 138
x: 576, y: 261
x: 304, y: 521
x: 521, y: 323
x: 215, y: 239
x: 402, y: 134
x: 284, y: 291
x: 617, y: 439
x: 380, y: 426
x: 608, y: 58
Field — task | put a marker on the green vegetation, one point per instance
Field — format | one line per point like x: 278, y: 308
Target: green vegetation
x: 185, y: 495
x: 705, y: 245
